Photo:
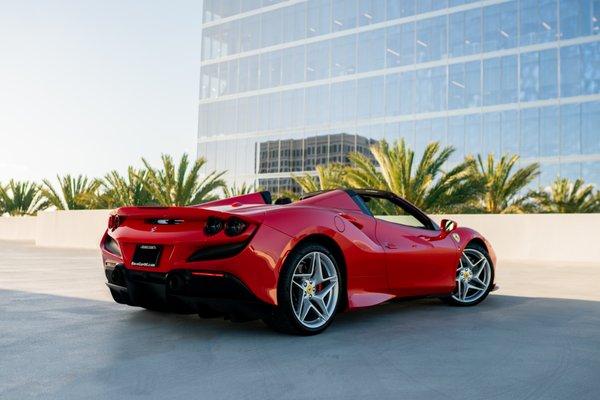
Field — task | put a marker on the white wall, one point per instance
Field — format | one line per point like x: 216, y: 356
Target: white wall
x: 17, y: 228
x: 75, y: 229
x: 539, y: 237
x: 527, y: 237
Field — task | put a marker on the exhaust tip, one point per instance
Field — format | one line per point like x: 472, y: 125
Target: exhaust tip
x: 175, y: 282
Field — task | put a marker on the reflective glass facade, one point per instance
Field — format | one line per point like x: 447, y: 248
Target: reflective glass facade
x: 287, y: 85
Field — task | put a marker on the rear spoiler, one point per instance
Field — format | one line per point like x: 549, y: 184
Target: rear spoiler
x: 263, y: 197
x: 146, y: 212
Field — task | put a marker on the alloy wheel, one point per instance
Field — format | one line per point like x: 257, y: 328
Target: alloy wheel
x: 314, y: 290
x: 473, y: 276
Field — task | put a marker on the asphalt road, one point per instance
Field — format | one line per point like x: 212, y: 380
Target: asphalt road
x: 62, y: 337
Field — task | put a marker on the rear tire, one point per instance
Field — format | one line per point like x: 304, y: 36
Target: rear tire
x: 474, y: 277
x: 308, y: 293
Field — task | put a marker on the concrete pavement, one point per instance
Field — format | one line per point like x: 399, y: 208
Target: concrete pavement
x: 61, y: 337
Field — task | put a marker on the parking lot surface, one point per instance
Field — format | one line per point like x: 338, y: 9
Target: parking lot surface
x: 62, y: 337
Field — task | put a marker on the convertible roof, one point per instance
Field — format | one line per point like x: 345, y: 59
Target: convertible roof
x: 337, y: 198
x: 351, y: 192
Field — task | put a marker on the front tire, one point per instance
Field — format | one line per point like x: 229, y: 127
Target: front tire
x: 474, y: 277
x: 308, y: 294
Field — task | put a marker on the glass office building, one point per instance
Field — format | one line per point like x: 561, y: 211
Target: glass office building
x: 287, y: 85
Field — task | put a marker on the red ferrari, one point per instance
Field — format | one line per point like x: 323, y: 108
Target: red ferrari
x: 292, y: 264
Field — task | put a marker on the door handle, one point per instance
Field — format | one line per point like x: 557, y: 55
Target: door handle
x: 352, y: 220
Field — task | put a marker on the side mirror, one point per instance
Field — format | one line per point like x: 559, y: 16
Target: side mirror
x: 448, y: 225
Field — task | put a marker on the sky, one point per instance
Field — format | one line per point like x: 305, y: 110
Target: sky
x: 91, y: 86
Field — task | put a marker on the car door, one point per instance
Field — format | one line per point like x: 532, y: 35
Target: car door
x: 420, y: 259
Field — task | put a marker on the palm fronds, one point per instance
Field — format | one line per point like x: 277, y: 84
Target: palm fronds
x: 565, y: 196
x: 126, y: 190
x: 329, y: 176
x: 422, y: 182
x: 73, y: 193
x: 503, y: 186
x: 180, y: 185
x: 21, y: 198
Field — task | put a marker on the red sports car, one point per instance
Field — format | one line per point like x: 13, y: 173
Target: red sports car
x: 292, y: 264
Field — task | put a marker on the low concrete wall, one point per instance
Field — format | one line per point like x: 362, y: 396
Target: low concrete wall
x: 71, y: 229
x: 18, y: 228
x: 527, y: 237
x: 538, y: 237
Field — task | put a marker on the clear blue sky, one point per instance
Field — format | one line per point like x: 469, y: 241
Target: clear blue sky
x: 90, y: 86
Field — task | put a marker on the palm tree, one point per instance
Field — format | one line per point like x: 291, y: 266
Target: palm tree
x: 21, y: 198
x: 503, y: 186
x: 126, y: 190
x: 235, y: 190
x: 329, y: 176
x: 175, y: 185
x: 567, y: 197
x: 424, y: 183
x: 74, y: 193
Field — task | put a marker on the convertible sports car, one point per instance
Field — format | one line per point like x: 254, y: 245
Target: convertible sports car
x: 292, y: 264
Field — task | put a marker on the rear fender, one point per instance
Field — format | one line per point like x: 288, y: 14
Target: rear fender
x: 363, y: 258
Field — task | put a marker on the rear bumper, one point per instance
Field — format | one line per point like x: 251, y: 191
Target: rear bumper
x: 255, y: 264
x: 185, y: 291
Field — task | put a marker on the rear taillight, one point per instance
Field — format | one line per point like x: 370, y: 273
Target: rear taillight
x: 235, y: 226
x: 114, y: 221
x: 213, y: 226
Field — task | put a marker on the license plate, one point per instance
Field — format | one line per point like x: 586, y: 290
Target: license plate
x: 146, y: 255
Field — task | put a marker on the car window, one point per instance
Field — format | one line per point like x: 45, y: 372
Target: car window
x: 386, y: 210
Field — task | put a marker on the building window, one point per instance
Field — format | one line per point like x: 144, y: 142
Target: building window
x: 549, y: 132
x: 464, y: 33
x: 294, y: 22
x: 407, y: 92
x: 431, y: 89
x: 370, y: 97
x: 272, y: 28
x: 530, y: 132
x: 464, y: 85
x: 576, y: 18
x: 371, y: 50
x: 318, y: 18
x: 250, y: 33
x: 538, y: 22
x: 492, y: 134
x: 590, y: 123
x: 400, y: 45
x: 317, y: 105
x: 500, y: 26
x: 431, y: 39
x: 430, y: 5
x: 570, y: 129
x: 343, y: 56
x: 539, y: 74
x: 343, y: 101
x: 292, y: 65
x: 370, y: 11
x: 400, y: 8
x: 500, y: 80
x: 317, y: 60
x: 270, y: 69
x: 344, y: 14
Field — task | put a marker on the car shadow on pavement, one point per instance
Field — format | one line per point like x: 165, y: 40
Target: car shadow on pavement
x: 53, y: 346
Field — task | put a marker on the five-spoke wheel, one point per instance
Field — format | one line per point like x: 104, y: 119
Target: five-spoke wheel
x: 314, y: 290
x: 474, y: 277
x: 309, y: 291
